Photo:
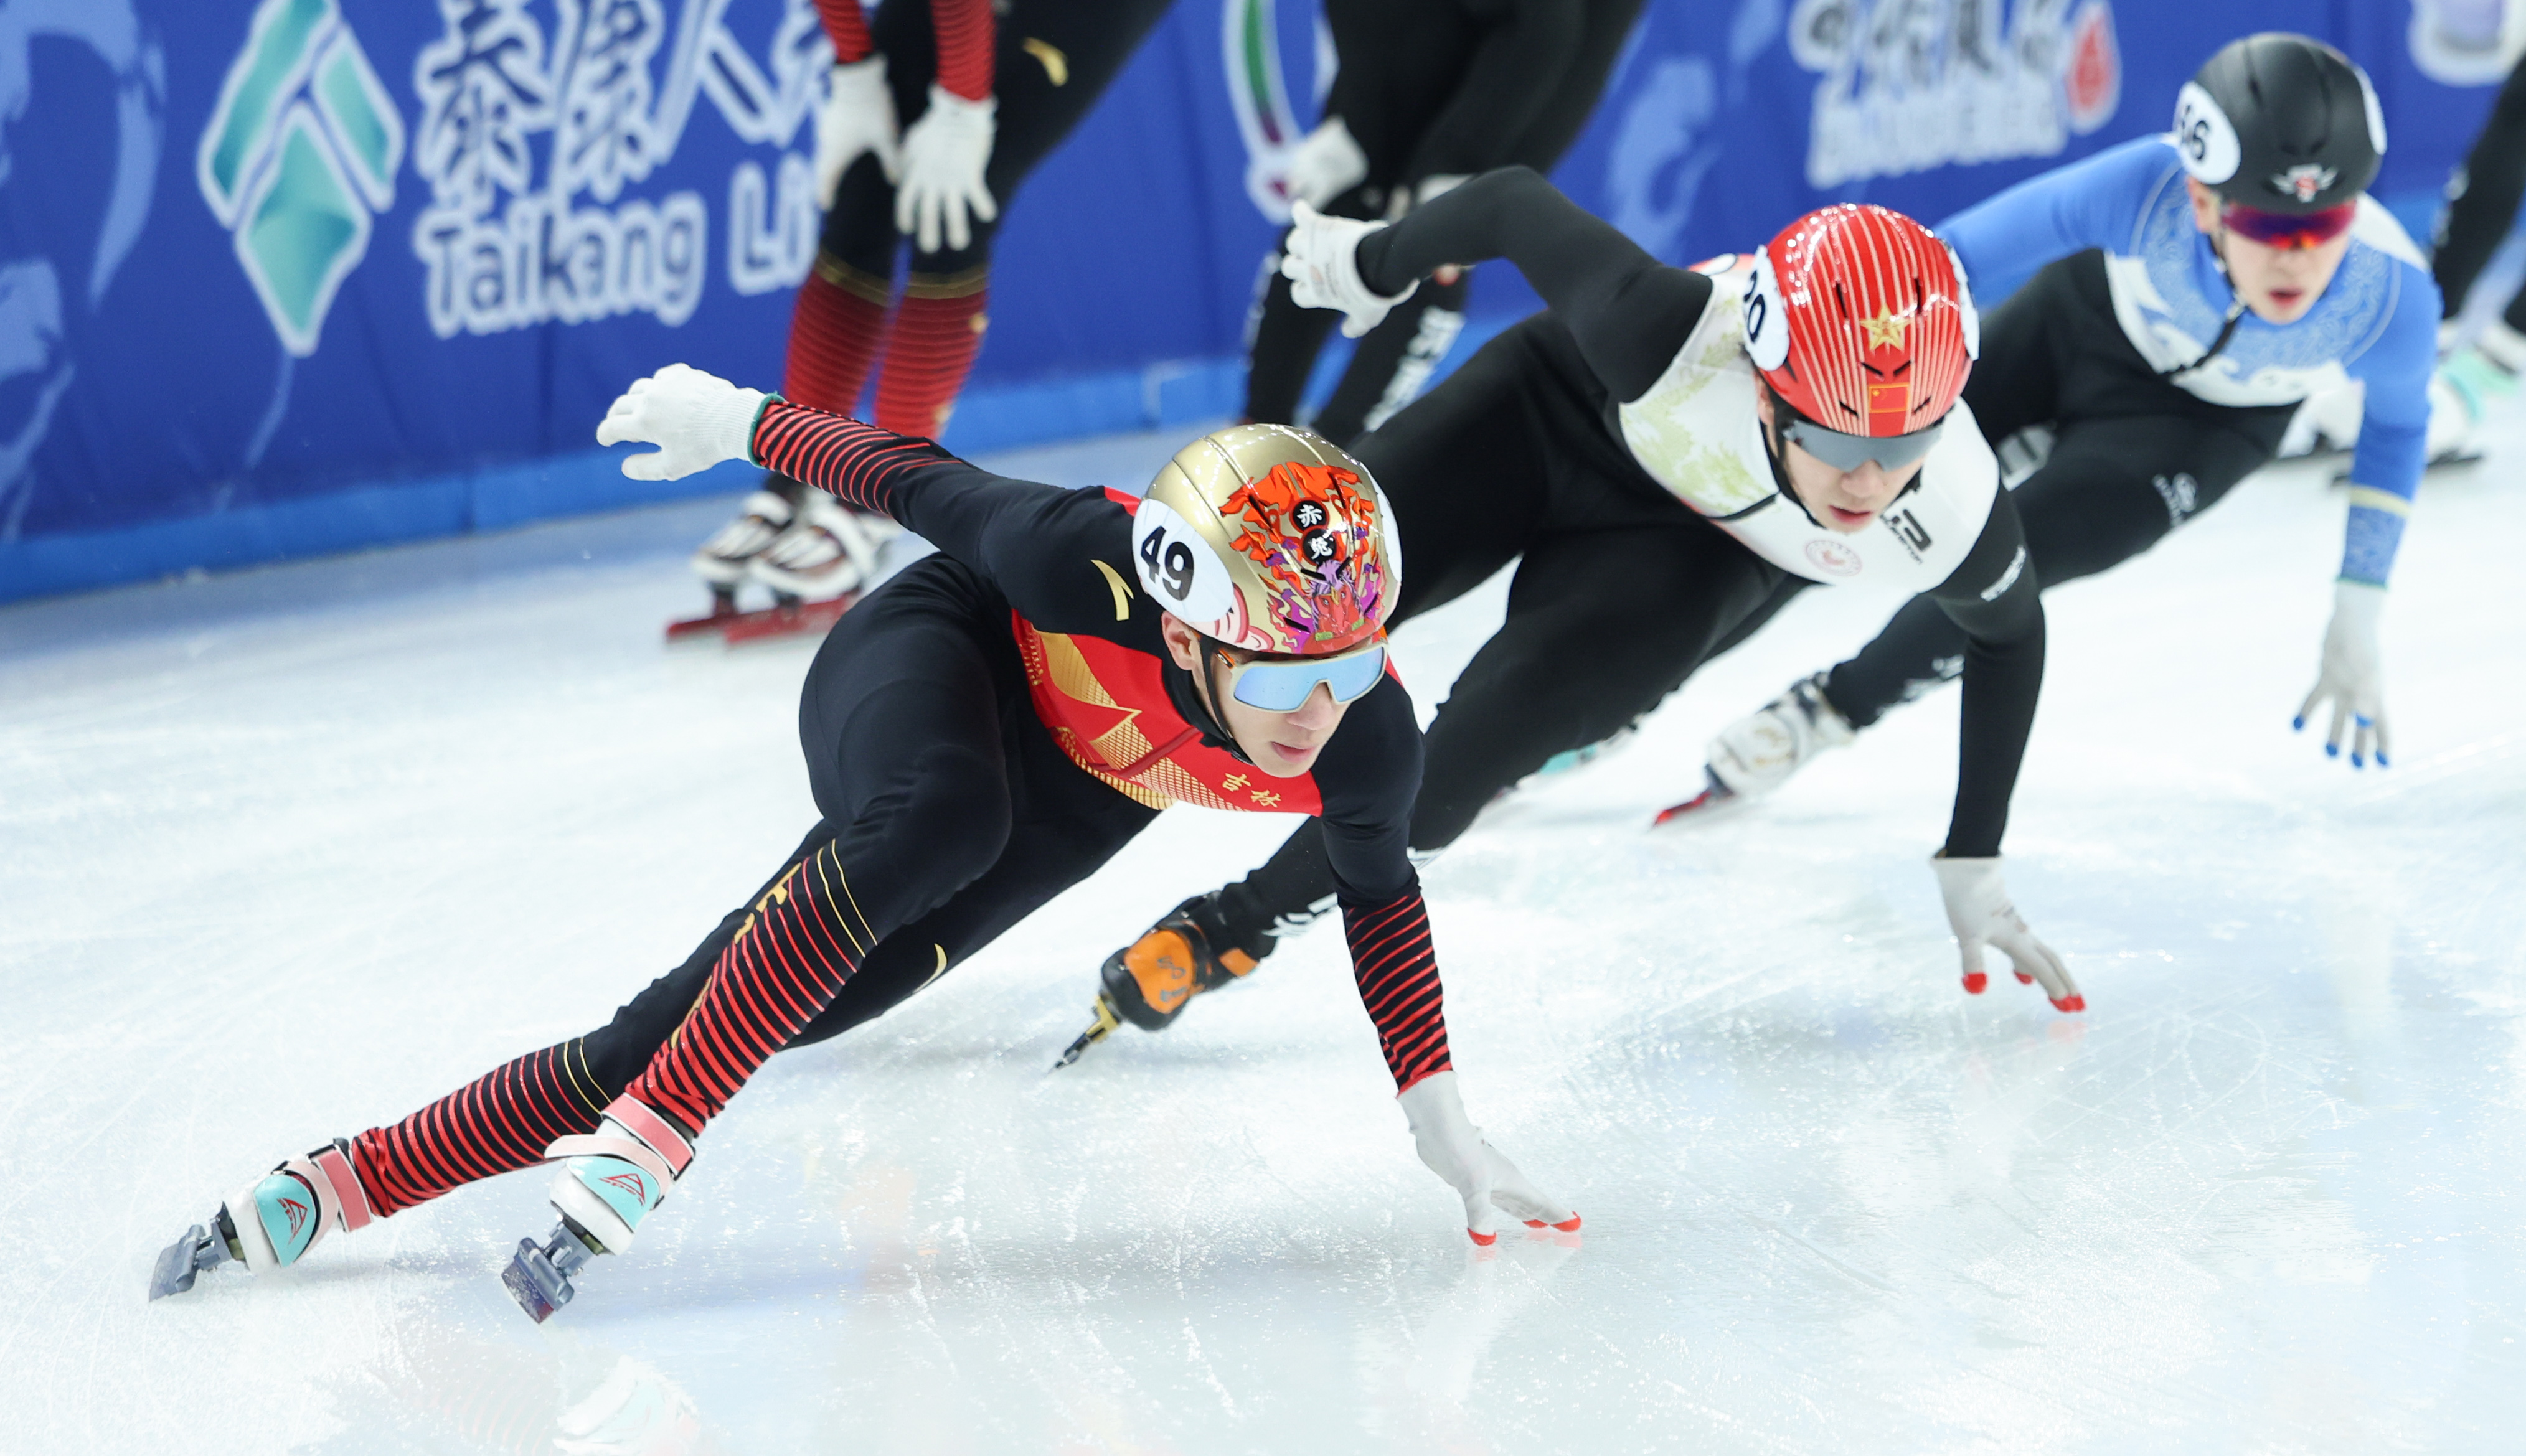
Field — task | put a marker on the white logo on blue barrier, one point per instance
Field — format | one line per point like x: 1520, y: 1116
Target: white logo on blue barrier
x: 506, y: 245
x: 1913, y: 85
x: 300, y: 151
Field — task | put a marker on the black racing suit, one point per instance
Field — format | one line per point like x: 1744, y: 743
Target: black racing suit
x: 1429, y: 88
x: 949, y: 810
x: 1621, y: 588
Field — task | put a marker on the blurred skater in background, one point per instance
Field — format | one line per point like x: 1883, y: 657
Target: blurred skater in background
x: 2482, y: 208
x: 1429, y: 93
x: 937, y: 111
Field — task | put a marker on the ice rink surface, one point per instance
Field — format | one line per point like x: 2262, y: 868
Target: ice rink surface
x: 286, y: 853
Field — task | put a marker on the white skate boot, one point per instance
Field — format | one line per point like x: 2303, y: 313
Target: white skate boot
x: 723, y: 559
x: 610, y: 1180
x: 1757, y: 753
x: 827, y: 552
x: 272, y: 1223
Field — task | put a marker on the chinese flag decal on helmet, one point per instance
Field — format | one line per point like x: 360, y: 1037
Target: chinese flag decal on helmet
x: 1860, y: 318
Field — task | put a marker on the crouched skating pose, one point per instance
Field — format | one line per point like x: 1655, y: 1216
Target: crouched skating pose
x: 2188, y: 290
x: 980, y: 733
x: 1669, y: 454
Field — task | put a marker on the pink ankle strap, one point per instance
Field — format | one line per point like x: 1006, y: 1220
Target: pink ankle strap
x: 348, y: 1194
x: 638, y: 1120
x: 630, y: 1150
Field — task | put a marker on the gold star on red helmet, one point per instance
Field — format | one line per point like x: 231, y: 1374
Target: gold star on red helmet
x: 1886, y: 330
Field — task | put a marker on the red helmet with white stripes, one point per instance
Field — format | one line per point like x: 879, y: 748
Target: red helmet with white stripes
x: 1860, y: 320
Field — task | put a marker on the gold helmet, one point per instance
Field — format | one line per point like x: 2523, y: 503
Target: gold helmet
x: 1271, y: 539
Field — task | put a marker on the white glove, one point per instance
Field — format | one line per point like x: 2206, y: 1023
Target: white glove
x: 1453, y: 1147
x: 1324, y: 164
x: 858, y: 115
x: 2352, y: 675
x: 1321, y: 261
x: 696, y: 420
x: 1979, y: 912
x: 1402, y: 200
x: 943, y: 157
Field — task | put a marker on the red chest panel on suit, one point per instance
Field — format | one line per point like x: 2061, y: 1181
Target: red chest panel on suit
x: 1108, y: 707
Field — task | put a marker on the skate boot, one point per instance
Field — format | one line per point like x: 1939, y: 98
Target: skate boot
x: 610, y: 1180
x: 1757, y: 753
x: 827, y: 552
x: 272, y: 1223
x: 1571, y: 758
x: 722, y: 560
x: 1150, y: 981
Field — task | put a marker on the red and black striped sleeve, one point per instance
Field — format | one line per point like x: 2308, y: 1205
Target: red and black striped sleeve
x: 862, y: 466
x: 1397, y: 968
x: 1036, y: 544
x: 846, y: 24
x: 966, y: 35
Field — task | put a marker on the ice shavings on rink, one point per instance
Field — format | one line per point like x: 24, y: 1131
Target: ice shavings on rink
x: 289, y: 852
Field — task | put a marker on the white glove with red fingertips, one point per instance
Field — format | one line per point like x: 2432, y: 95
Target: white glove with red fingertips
x: 696, y: 420
x: 1321, y: 260
x: 858, y: 115
x: 1980, y: 912
x: 1453, y: 1147
x: 944, y: 154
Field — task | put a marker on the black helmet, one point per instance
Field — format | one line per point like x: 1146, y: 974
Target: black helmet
x: 2281, y: 122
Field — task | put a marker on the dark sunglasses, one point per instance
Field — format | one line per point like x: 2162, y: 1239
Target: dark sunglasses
x: 2289, y: 230
x: 1848, y: 452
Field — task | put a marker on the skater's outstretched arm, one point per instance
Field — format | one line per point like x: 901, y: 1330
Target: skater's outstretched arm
x: 1992, y: 594
x: 2396, y: 367
x: 2096, y: 202
x: 1037, y: 544
x: 1629, y: 312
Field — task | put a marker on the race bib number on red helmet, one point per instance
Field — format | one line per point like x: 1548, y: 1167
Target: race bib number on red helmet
x: 1767, y: 322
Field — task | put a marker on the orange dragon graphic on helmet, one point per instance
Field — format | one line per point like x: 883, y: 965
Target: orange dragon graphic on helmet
x: 1313, y: 533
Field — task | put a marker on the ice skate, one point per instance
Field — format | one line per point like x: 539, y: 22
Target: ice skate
x: 721, y: 561
x: 1570, y: 760
x: 1150, y: 981
x: 610, y: 1180
x: 2474, y: 378
x: 814, y: 568
x: 827, y: 551
x: 1757, y: 753
x: 271, y: 1224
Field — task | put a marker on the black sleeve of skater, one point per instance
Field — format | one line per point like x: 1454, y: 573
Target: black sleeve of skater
x: 1366, y: 779
x: 1040, y: 545
x: 1992, y: 594
x: 1512, y: 75
x: 1630, y: 312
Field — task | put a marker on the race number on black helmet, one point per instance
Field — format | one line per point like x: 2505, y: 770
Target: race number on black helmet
x: 2281, y: 124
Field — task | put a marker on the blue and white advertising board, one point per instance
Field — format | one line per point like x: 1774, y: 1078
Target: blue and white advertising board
x: 282, y: 277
